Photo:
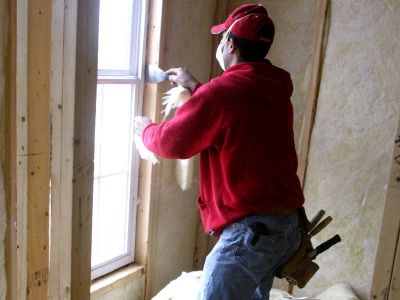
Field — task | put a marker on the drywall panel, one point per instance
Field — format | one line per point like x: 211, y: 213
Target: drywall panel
x: 295, y: 29
x: 188, y: 44
x: 352, y: 141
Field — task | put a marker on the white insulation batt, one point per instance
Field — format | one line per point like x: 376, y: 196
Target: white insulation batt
x: 292, y: 49
x: 351, y: 147
x: 186, y: 287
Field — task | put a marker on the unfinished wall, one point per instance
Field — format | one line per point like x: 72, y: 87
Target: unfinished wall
x: 292, y: 49
x: 3, y: 216
x: 351, y: 147
x: 358, y: 107
x: 188, y: 44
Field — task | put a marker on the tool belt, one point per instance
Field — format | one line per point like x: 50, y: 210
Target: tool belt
x: 300, y: 268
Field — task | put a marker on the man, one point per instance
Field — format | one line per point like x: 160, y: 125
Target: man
x: 241, y: 123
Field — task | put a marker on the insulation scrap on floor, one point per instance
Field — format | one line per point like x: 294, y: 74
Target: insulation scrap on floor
x: 339, y: 291
x: 186, y: 286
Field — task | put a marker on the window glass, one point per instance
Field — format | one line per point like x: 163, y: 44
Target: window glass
x: 121, y: 44
x: 115, y: 32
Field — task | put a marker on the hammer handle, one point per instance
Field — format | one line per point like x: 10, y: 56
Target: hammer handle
x: 320, y: 226
x: 329, y: 243
x: 316, y: 219
x: 324, y: 246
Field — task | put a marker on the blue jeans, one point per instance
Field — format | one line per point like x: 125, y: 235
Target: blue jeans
x: 241, y: 267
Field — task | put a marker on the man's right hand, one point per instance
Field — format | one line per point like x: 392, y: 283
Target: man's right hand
x: 182, y: 77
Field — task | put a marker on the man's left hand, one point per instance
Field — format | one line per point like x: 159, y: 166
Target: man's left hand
x: 140, y: 124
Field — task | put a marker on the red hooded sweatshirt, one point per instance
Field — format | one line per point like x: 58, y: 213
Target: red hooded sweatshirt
x: 241, y: 123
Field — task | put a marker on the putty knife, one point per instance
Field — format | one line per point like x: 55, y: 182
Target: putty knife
x: 154, y: 74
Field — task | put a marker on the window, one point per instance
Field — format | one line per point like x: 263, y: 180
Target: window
x: 119, y: 93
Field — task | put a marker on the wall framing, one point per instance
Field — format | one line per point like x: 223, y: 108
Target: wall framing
x: 62, y: 90
x: 386, y: 274
x: 42, y: 84
x: 205, y: 243
x: 19, y: 243
x: 85, y: 103
x: 311, y: 105
x: 149, y: 186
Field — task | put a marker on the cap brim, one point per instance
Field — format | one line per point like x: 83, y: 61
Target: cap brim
x: 218, y: 28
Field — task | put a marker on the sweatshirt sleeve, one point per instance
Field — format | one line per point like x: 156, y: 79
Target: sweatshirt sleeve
x: 191, y: 130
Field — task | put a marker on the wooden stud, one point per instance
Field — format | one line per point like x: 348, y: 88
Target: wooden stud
x: 21, y: 192
x: 203, y: 242
x: 62, y: 111
x: 57, y: 34
x: 10, y: 165
x: 312, y: 97
x: 144, y: 206
x: 311, y: 104
x: 83, y: 154
x: 39, y: 45
x: 386, y: 269
x: 394, y: 289
x: 394, y: 183
x: 148, y: 173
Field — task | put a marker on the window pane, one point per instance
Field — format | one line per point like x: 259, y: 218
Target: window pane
x: 110, y: 218
x: 113, y: 134
x: 115, y: 34
x: 112, y: 171
x: 121, y: 44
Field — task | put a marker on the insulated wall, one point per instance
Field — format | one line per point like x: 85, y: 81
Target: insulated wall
x: 357, y: 111
x: 187, y: 44
x: 292, y: 49
x: 351, y: 147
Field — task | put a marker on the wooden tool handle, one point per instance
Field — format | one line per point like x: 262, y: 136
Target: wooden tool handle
x: 316, y: 219
x: 320, y: 226
x: 324, y: 246
x: 329, y: 243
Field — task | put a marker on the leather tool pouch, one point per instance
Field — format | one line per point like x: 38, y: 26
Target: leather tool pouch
x: 300, y: 268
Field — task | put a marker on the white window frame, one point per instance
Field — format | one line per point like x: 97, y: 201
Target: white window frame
x: 135, y: 77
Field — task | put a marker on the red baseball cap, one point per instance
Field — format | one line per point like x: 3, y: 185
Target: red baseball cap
x: 249, y: 21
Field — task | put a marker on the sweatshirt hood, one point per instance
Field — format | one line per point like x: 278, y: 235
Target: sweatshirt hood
x: 270, y: 82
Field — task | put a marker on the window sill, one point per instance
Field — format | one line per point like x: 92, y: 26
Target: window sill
x: 120, y: 277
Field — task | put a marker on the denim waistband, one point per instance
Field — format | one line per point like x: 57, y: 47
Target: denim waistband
x: 275, y: 222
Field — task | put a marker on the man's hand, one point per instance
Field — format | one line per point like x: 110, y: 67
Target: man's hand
x: 182, y: 77
x: 140, y: 124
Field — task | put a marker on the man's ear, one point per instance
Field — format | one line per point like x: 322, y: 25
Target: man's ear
x: 232, y: 47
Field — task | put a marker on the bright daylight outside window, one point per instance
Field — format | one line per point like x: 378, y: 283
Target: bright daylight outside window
x: 119, y: 94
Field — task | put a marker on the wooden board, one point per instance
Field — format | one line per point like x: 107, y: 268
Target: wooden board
x: 148, y: 173
x: 62, y: 111
x: 21, y: 151
x: 394, y: 290
x: 394, y: 183
x: 85, y: 103
x: 386, y: 271
x: 39, y: 44
x: 10, y: 166
x: 203, y: 242
x: 312, y: 97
